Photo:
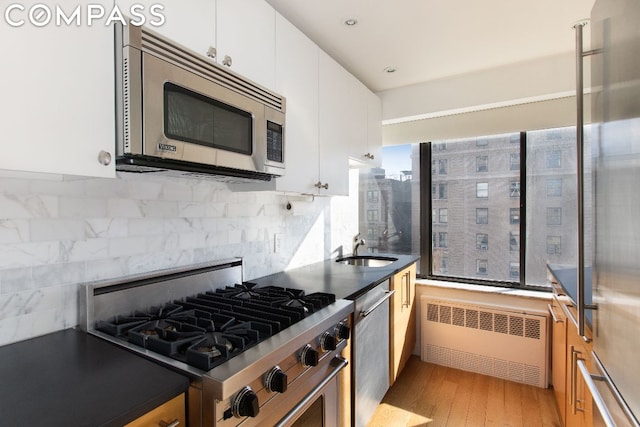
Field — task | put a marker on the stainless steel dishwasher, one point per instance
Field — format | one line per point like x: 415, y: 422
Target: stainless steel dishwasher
x: 370, y: 348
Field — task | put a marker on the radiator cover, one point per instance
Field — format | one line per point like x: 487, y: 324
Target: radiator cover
x: 496, y: 341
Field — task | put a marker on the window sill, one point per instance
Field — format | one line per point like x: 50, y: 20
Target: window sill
x: 483, y: 289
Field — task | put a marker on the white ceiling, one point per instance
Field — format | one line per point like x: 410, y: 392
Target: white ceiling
x: 432, y: 39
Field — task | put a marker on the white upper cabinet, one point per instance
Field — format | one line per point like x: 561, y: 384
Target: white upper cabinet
x: 245, y: 39
x: 58, y: 97
x: 191, y: 23
x: 373, y: 157
x: 297, y: 80
x: 335, y: 129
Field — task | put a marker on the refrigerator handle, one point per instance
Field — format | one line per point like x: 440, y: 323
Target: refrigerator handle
x: 578, y: 27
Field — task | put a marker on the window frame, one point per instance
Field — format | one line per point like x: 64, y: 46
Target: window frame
x: 426, y: 224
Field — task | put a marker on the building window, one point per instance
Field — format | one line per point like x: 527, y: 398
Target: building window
x: 554, y: 216
x: 373, y: 215
x: 514, y: 241
x: 442, y: 166
x: 433, y: 167
x: 371, y: 233
x: 482, y: 266
x: 482, y: 164
x: 441, y: 146
x: 433, y: 240
x: 482, y: 241
x: 444, y: 264
x: 554, y: 187
x: 482, y: 190
x: 514, y: 270
x: 443, y: 215
x: 443, y: 241
x: 554, y: 159
x: 442, y: 190
x: 554, y: 245
x: 482, y: 215
x: 373, y: 196
x: 514, y: 161
x: 514, y: 215
x: 514, y: 189
x: 482, y: 142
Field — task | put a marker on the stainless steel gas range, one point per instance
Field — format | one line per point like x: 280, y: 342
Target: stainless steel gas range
x: 255, y: 355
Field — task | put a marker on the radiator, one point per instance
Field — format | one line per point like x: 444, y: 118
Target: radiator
x: 496, y: 341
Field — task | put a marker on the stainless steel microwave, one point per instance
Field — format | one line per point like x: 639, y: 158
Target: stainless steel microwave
x: 180, y: 112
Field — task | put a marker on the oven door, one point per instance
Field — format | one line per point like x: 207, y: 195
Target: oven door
x: 321, y: 407
x: 190, y: 118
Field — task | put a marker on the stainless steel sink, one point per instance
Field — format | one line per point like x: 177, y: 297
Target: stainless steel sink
x: 367, y: 260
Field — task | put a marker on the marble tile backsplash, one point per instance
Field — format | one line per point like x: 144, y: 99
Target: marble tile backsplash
x: 58, y: 233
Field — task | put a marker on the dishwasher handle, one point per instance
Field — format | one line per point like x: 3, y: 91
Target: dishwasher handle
x: 387, y: 295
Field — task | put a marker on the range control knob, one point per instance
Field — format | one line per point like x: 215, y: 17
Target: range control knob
x: 276, y: 380
x: 343, y: 331
x: 309, y: 356
x: 245, y: 404
x: 328, y: 342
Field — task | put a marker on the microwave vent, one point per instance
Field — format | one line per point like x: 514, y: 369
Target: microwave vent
x: 125, y: 104
x: 199, y: 64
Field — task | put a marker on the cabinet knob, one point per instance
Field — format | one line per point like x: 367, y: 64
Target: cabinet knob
x: 370, y: 156
x: 104, y: 157
x: 212, y: 52
x: 227, y: 61
x: 321, y: 185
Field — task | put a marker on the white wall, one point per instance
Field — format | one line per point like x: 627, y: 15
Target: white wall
x: 57, y: 233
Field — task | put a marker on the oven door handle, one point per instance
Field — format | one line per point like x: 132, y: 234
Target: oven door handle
x: 338, y: 364
x: 387, y: 295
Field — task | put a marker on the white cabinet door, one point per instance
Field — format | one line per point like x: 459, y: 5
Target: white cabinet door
x: 58, y: 98
x: 192, y: 23
x: 374, y: 130
x: 246, y: 33
x: 297, y: 80
x: 356, y: 131
x: 333, y: 126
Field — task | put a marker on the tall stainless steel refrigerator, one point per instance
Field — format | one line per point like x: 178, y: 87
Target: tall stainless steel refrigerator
x: 615, y: 109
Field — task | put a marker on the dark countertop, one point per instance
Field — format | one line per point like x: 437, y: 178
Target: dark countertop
x: 345, y: 281
x: 567, y: 277
x: 70, y: 378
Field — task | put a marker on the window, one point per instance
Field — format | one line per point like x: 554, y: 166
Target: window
x: 482, y: 164
x: 514, y: 161
x: 373, y: 215
x: 444, y: 265
x: 442, y: 146
x: 482, y: 266
x: 554, y: 159
x: 514, y: 241
x: 442, y: 215
x: 514, y: 189
x: 442, y: 190
x: 514, y: 270
x: 442, y: 166
x: 482, y: 190
x: 482, y: 142
x: 554, y: 216
x: 373, y: 196
x: 514, y: 215
x: 482, y: 215
x: 443, y: 240
x: 554, y: 187
x: 433, y: 167
x: 554, y: 245
x: 482, y: 242
x: 371, y: 233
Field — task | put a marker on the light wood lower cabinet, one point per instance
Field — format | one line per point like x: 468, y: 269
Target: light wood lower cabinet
x: 559, y: 357
x: 402, y: 318
x: 170, y: 413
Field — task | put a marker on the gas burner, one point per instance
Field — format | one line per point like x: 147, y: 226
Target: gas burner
x: 244, y: 291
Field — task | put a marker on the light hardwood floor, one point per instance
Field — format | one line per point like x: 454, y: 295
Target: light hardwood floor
x: 432, y: 395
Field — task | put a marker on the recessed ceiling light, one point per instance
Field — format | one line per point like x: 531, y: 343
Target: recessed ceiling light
x: 390, y: 69
x: 350, y: 22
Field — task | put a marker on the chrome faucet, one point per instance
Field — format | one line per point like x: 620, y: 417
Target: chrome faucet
x: 357, y: 242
